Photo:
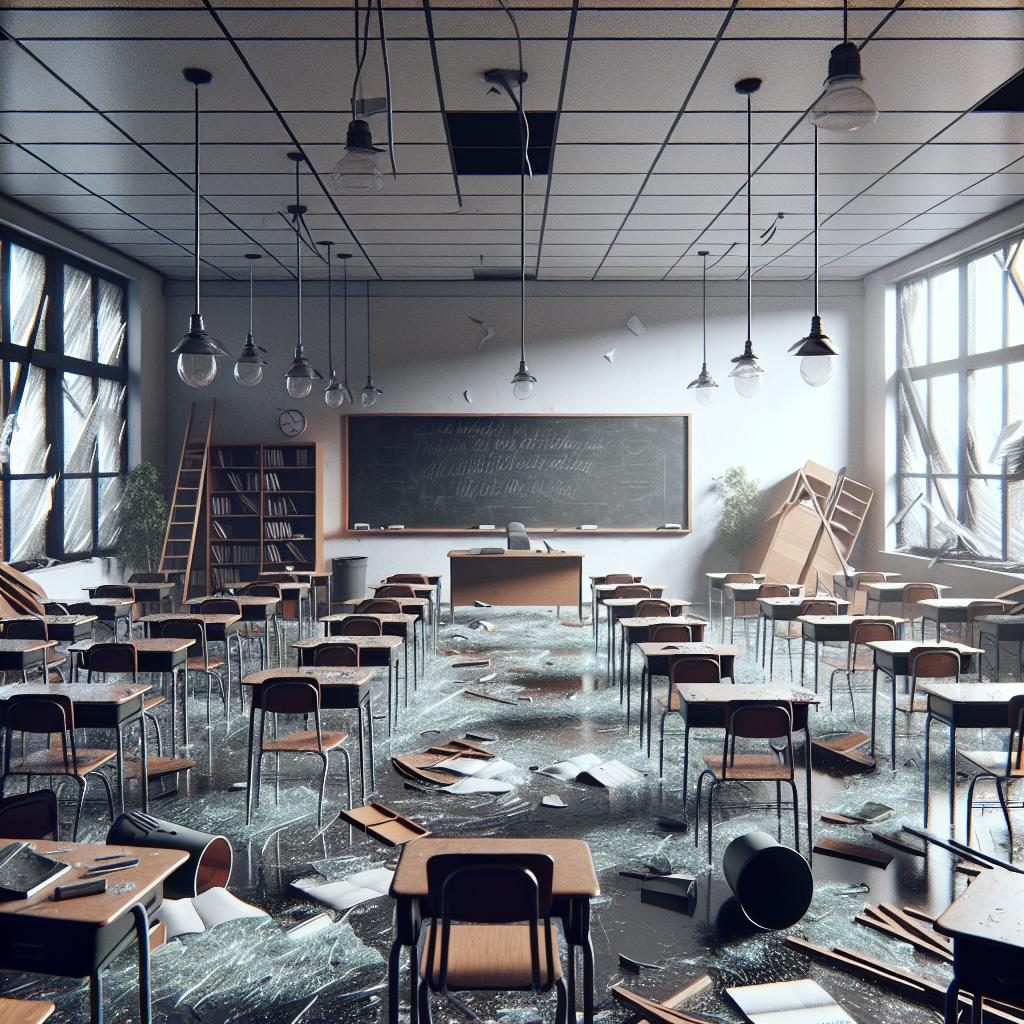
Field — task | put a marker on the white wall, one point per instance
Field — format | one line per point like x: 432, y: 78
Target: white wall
x: 425, y: 355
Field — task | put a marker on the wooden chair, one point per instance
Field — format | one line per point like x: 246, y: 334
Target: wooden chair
x: 248, y: 632
x: 793, y: 629
x: 53, y: 716
x: 652, y: 607
x: 271, y: 589
x: 517, y: 538
x: 199, y: 661
x: 747, y: 720
x: 340, y: 655
x: 684, y: 672
x: 1002, y: 767
x: 911, y: 594
x: 122, y: 659
x: 379, y: 606
x: 490, y: 928
x: 395, y: 590
x: 408, y: 577
x: 296, y: 696
x: 858, y: 599
x: 751, y: 609
x: 974, y: 612
x: 922, y: 663
x: 30, y: 816
x: 357, y: 625
x: 35, y: 629
x: 862, y: 632
x: 670, y: 633
x: 119, y: 590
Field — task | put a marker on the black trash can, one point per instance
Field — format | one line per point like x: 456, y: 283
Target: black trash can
x: 348, y: 578
x: 771, y: 882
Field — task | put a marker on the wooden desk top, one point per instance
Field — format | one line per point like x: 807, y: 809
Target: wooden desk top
x: 25, y: 646
x: 154, y: 645
x: 25, y: 1011
x: 325, y: 675
x: 397, y: 618
x: 638, y: 621
x: 795, y: 602
x: 164, y: 587
x: 974, y: 693
x: 882, y: 589
x: 574, y: 874
x: 244, y: 600
x: 722, y: 575
x: 518, y: 554
x: 726, y: 693
x: 739, y: 588
x: 659, y: 649
x: 382, y: 642
x: 104, y: 908
x: 222, y: 619
x: 607, y: 588
x: 310, y: 574
x: 632, y: 602
x: 988, y: 910
x: 426, y: 587
x: 959, y: 602
x: 80, y: 693
x: 906, y: 646
x: 854, y: 575
x: 433, y: 578
x: 848, y: 620
x: 97, y: 602
x: 51, y: 620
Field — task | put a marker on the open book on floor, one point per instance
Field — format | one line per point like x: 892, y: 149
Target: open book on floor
x: 348, y: 892
x: 788, y: 1002
x: 205, y: 911
x: 479, y: 776
x: 593, y: 770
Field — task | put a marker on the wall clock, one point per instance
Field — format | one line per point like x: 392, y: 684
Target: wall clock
x: 292, y: 422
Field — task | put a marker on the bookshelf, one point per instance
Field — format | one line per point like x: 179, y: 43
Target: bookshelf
x: 263, y: 511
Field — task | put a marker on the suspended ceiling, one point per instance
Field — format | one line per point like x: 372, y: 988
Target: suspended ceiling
x: 96, y: 126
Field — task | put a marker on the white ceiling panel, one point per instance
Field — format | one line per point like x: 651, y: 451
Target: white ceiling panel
x: 614, y: 128
x: 109, y: 23
x: 966, y: 158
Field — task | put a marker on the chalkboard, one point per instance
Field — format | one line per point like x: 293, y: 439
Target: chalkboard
x: 457, y: 472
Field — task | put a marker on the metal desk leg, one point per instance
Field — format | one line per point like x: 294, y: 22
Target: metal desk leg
x: 142, y: 938
x: 144, y: 767
x: 650, y: 707
x: 927, y: 763
x: 810, y: 805
x: 249, y: 760
x: 120, y: 767
x: 952, y: 782
x: 686, y: 757
x: 892, y: 726
x: 394, y: 966
x: 362, y: 754
x: 588, y: 963
x: 874, y: 705
x: 369, y: 727
x: 816, y: 652
x: 96, y: 998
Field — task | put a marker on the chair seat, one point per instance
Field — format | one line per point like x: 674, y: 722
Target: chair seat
x: 202, y: 664
x: 489, y: 956
x: 305, y: 742
x: 991, y: 761
x: 51, y: 762
x: 754, y: 767
x: 153, y: 701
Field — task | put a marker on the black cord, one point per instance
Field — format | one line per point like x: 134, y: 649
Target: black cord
x: 750, y: 182
x: 299, y: 353
x: 197, y: 194
x: 330, y: 317
x: 815, y: 220
x: 846, y: 15
x: 704, y: 308
x: 344, y: 314
x: 519, y: 105
x: 387, y: 88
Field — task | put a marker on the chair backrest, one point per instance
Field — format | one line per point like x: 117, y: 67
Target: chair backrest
x: 653, y: 607
x: 756, y: 721
x: 342, y: 655
x: 620, y: 577
x: 695, y: 670
x: 294, y: 695
x: 934, y: 663
x: 26, y: 629
x: 865, y: 579
x: 395, y: 590
x: 147, y: 577
x: 773, y: 590
x: 914, y: 592
x: 379, y: 606
x: 670, y: 633
x: 111, y: 657
x: 29, y: 815
x: 183, y: 629
x: 114, y: 590
x: 863, y: 631
x: 279, y: 577
x: 631, y: 590
x: 408, y: 577
x: 359, y: 625
x: 264, y: 590
x: 738, y: 577
x: 518, y: 538
x: 456, y: 881
x: 819, y: 606
x: 40, y: 713
x: 220, y: 606
x: 978, y: 608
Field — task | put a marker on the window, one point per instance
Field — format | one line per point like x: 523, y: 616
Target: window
x: 960, y: 415
x: 65, y: 373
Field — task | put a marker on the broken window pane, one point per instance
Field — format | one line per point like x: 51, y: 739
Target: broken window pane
x: 985, y: 418
x: 30, y: 505
x: 110, y: 505
x: 110, y: 422
x: 985, y: 515
x: 911, y: 453
x: 944, y: 291
x: 944, y: 419
x: 80, y: 409
x: 110, y: 323
x: 913, y: 530
x: 985, y: 283
x: 1015, y: 520
x: 913, y: 315
x: 28, y: 444
x: 78, y: 314
x: 28, y: 283
x: 77, y: 515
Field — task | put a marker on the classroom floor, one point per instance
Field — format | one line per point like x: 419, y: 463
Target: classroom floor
x: 251, y: 970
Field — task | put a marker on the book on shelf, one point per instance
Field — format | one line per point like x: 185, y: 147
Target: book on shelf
x: 243, y: 481
x: 281, y: 507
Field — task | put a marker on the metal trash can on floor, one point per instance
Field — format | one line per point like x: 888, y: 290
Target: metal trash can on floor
x: 771, y: 882
x: 348, y: 578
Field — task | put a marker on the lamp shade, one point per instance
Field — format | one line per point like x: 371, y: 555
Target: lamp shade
x: 845, y: 105
x: 197, y: 354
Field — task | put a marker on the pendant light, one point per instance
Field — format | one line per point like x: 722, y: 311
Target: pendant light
x: 333, y: 394
x: 346, y: 391
x: 357, y: 171
x: 747, y: 372
x: 845, y: 105
x: 301, y: 373
x: 370, y: 393
x: 816, y: 350
x: 704, y: 384
x: 197, y: 352
x: 249, y: 365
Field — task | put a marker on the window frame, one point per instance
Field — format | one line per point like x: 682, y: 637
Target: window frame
x: 55, y: 364
x: 962, y: 365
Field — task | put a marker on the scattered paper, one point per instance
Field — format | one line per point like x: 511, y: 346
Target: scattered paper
x: 482, y: 604
x: 468, y: 786
x: 349, y: 892
x: 636, y: 325
x: 467, y: 396
x: 207, y: 910
x: 552, y: 800
x: 490, y: 677
x: 591, y: 769
x: 482, y: 624
x: 610, y: 355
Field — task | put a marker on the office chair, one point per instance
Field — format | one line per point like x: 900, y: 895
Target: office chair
x: 518, y: 538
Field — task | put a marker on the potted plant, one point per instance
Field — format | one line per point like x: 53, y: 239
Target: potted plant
x: 742, y: 502
x: 142, y: 520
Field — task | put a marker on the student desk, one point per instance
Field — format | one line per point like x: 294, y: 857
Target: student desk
x: 518, y: 578
x: 888, y: 593
x: 892, y: 658
x: 771, y: 610
x: 260, y: 610
x: 317, y: 581
x: 79, y: 938
x: 637, y: 628
x: 341, y: 689
x: 832, y: 629
x: 430, y: 592
x: 600, y: 592
x: 1000, y: 629
x: 574, y: 885
x: 945, y: 610
x: 111, y: 611
x: 298, y: 591
x: 63, y: 628
x: 987, y: 929
x: 716, y: 581
x: 145, y: 593
x: 746, y: 593
x: 705, y: 705
x: 658, y: 661
x: 399, y: 624
x: 619, y: 608
x: 22, y: 655
x: 373, y: 651
x: 847, y: 584
x: 98, y: 706
x: 963, y: 706
x: 25, y: 1011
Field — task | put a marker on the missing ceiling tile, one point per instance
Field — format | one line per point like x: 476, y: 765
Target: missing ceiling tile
x: 486, y: 142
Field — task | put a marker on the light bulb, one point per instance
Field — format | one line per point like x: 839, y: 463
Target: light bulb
x: 334, y: 395
x: 357, y: 172
x: 845, y: 107
x: 369, y: 396
x: 248, y: 372
x: 299, y: 387
x: 816, y: 370
x: 197, y: 370
x: 522, y: 389
x: 705, y: 396
x: 747, y: 384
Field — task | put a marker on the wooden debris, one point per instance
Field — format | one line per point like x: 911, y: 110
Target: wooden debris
x: 657, y: 1013
x: 898, y: 842
x: 488, y: 696
x: 843, y: 753
x: 853, y: 851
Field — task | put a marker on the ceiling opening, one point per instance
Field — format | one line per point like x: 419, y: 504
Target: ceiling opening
x: 489, y: 143
x: 1007, y: 99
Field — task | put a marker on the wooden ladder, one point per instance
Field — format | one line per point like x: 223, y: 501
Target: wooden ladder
x: 187, y: 500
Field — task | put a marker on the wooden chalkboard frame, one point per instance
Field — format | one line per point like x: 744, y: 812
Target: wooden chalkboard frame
x: 346, y: 531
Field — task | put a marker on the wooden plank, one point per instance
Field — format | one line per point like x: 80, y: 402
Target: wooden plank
x: 915, y: 927
x: 651, y: 1010
x: 687, y: 992
x: 897, y: 842
x: 853, y: 851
